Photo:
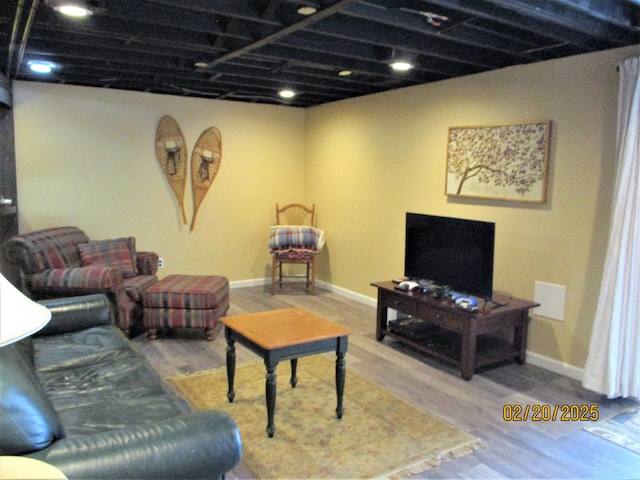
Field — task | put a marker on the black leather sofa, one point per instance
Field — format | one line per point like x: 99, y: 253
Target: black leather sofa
x: 79, y: 396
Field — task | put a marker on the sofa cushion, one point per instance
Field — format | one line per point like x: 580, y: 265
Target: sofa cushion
x: 28, y: 421
x: 119, y: 253
x: 97, y: 381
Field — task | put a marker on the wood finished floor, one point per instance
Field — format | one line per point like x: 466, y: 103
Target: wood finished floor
x: 516, y: 450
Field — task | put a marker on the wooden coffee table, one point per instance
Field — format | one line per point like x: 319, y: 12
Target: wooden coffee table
x: 286, y: 334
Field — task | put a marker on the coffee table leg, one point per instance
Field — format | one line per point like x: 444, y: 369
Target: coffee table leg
x: 271, y: 399
x: 231, y: 366
x: 341, y: 369
x: 294, y: 370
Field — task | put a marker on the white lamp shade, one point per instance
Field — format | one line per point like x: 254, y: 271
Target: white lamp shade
x: 19, y: 315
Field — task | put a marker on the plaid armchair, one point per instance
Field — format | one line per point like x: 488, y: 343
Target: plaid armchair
x: 62, y: 262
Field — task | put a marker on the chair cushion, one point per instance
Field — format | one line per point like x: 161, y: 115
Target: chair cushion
x: 119, y: 253
x: 72, y: 281
x: 294, y: 254
x: 285, y: 237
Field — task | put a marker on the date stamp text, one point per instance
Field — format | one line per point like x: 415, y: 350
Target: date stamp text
x: 550, y: 413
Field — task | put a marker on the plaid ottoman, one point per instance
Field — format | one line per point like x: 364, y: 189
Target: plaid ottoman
x: 186, y: 301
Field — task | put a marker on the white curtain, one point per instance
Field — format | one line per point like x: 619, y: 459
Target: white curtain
x: 613, y: 362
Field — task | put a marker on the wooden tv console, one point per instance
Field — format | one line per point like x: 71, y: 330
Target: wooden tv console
x: 438, y: 328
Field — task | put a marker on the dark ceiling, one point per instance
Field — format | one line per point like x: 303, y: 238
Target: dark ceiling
x: 247, y: 50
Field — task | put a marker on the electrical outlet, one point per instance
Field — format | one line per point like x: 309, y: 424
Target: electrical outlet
x: 161, y: 263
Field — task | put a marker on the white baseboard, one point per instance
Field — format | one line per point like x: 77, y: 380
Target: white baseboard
x: 533, y: 358
x: 358, y: 297
x: 555, y: 366
x: 255, y: 282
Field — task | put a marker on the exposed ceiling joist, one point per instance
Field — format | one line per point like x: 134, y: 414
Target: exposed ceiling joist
x: 325, y: 50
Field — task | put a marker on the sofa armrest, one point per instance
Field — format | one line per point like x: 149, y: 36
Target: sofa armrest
x: 76, y: 313
x: 147, y: 263
x: 199, y: 445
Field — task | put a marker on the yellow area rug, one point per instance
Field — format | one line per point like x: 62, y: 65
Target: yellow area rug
x: 379, y: 435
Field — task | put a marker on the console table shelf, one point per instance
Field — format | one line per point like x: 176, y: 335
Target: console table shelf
x: 440, y: 329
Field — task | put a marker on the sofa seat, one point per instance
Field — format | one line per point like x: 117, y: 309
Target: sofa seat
x: 82, y: 398
x: 97, y: 382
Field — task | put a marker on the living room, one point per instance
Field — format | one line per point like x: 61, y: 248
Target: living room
x: 85, y: 157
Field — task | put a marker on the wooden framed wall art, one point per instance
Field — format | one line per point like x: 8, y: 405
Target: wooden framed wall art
x: 502, y: 162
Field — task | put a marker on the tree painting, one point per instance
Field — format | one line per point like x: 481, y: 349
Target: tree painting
x: 507, y: 162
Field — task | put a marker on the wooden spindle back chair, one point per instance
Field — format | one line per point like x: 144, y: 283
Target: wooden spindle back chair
x: 294, y: 214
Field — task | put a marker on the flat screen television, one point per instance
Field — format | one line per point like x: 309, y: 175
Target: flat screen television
x: 451, y: 252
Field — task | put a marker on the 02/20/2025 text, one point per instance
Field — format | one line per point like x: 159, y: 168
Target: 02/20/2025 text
x: 550, y: 413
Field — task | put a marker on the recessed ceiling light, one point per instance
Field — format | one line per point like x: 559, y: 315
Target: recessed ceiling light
x: 345, y: 73
x: 401, y: 66
x: 73, y: 9
x: 287, y: 93
x: 39, y: 66
x: 307, y: 10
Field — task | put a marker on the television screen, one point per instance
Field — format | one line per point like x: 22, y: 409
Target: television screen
x: 451, y: 252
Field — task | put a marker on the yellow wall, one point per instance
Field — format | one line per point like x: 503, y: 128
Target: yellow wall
x: 86, y: 157
x: 369, y: 160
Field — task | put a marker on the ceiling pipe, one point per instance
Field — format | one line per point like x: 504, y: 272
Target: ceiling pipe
x: 14, y: 35
x: 25, y: 34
